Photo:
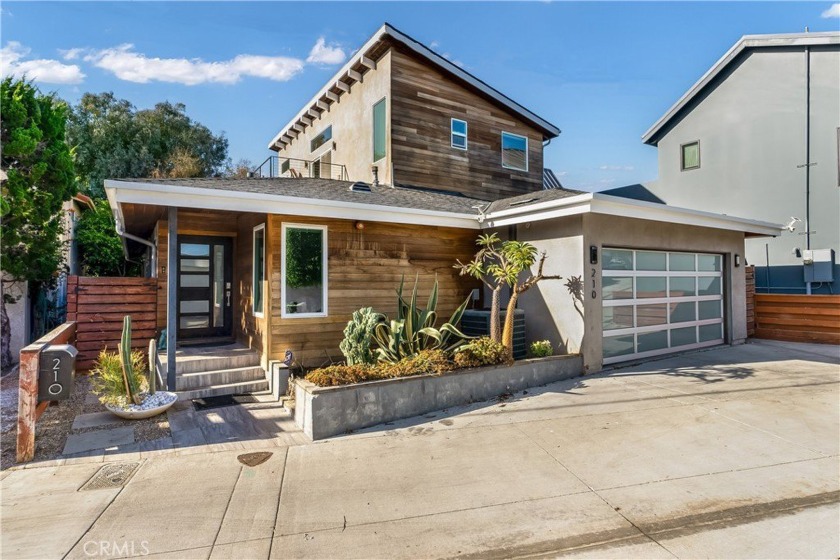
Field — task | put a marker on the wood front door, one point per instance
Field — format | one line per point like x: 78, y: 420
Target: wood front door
x: 205, y: 281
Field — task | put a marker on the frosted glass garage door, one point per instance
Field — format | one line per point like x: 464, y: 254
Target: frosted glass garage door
x: 656, y: 302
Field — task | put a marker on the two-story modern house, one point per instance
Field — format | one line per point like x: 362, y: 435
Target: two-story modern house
x: 392, y: 170
x: 759, y: 136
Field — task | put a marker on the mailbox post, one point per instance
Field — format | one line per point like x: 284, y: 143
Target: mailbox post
x: 56, y: 372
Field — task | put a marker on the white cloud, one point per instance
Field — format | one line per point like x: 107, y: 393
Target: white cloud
x: 832, y: 12
x: 616, y: 168
x: 40, y: 70
x: 322, y: 53
x: 70, y: 54
x: 126, y: 64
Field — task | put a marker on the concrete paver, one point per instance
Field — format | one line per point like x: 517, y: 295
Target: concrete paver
x: 94, y: 420
x: 725, y: 453
x: 101, y: 439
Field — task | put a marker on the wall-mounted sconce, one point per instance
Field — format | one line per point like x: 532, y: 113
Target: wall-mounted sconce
x: 737, y: 260
x: 593, y: 254
x: 359, y: 225
x: 334, y: 145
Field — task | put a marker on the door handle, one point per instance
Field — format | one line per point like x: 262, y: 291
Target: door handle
x: 227, y: 298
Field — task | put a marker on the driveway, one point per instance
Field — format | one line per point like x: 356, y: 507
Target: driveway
x: 730, y: 452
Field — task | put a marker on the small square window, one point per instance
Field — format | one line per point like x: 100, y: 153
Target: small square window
x: 458, y: 134
x: 514, y: 151
x: 690, y: 156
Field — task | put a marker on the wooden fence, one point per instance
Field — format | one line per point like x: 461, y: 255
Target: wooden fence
x: 749, y: 274
x: 798, y: 318
x: 98, y: 306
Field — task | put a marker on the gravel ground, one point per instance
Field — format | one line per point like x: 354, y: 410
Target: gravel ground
x: 56, y: 423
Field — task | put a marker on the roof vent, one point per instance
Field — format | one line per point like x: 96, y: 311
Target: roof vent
x: 521, y: 202
x: 358, y: 186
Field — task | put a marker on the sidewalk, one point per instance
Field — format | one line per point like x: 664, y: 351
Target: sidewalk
x: 724, y: 453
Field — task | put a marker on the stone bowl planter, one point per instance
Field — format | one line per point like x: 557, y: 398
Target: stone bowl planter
x: 152, y: 406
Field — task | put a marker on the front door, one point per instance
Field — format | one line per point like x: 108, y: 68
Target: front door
x: 204, y: 287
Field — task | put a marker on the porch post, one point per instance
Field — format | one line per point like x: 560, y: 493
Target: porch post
x: 171, y: 299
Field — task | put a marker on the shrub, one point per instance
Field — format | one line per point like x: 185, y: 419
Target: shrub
x: 332, y: 376
x: 108, y: 381
x: 482, y: 351
x: 541, y: 349
x: 425, y: 362
x: 358, y: 337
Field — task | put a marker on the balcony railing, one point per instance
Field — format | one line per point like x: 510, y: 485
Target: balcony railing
x: 275, y: 166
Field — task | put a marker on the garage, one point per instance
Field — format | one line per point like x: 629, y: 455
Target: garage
x: 657, y: 302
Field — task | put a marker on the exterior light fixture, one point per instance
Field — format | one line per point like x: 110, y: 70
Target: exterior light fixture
x: 359, y: 225
x: 737, y: 260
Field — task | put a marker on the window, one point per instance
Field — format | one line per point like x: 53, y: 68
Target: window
x: 321, y: 139
x: 284, y: 167
x: 458, y: 136
x: 690, y: 156
x: 379, y: 130
x: 258, y: 273
x: 304, y: 271
x: 514, y: 151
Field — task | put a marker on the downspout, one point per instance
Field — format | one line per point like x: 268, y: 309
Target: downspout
x: 125, y: 235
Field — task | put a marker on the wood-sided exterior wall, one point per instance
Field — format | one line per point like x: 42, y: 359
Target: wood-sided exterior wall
x: 423, y: 100
x: 238, y: 226
x: 364, y: 267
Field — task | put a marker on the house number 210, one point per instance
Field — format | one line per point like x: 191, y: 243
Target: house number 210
x: 56, y: 387
x: 594, y: 292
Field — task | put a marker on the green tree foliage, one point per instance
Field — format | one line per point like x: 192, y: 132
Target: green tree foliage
x: 100, y: 249
x: 304, y: 257
x: 40, y: 178
x: 115, y: 140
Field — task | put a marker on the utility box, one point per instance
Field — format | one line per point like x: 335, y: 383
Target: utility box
x: 56, y: 372
x: 476, y: 322
x: 818, y: 265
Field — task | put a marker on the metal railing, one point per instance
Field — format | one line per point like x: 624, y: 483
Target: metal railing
x: 276, y: 166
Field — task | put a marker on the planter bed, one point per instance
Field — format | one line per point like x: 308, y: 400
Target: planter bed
x: 322, y: 412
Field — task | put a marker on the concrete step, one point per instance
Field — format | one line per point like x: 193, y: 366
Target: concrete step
x: 189, y: 381
x: 199, y: 360
x: 240, y: 388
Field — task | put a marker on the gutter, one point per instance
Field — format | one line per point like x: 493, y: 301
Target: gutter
x: 125, y: 235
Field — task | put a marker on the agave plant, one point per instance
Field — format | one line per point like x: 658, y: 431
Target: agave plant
x: 414, y: 328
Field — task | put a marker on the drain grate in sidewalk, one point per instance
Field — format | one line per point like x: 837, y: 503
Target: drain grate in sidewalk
x: 112, y: 475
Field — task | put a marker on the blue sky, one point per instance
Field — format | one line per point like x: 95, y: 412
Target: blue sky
x: 603, y: 72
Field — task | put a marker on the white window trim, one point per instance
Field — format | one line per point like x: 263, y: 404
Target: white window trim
x: 260, y: 314
x: 325, y: 271
x: 465, y: 135
x: 502, y: 153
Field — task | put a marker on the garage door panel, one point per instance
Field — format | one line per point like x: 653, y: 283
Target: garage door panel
x: 655, y: 302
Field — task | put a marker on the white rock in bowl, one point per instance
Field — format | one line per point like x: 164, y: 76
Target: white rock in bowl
x: 152, y: 405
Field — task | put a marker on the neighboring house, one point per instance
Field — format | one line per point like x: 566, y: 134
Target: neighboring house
x: 739, y: 140
x: 279, y: 263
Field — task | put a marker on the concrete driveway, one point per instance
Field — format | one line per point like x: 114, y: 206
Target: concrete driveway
x: 726, y: 453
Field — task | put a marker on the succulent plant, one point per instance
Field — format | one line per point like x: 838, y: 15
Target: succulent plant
x: 358, y: 337
x: 132, y: 389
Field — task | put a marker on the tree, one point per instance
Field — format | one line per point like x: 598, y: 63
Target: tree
x: 40, y: 178
x: 100, y: 249
x: 498, y: 264
x: 114, y: 140
x: 239, y: 170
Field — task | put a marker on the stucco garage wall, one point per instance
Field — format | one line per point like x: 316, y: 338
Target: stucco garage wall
x: 611, y: 231
x: 551, y: 312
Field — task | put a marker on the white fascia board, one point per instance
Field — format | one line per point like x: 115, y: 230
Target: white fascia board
x: 629, y: 208
x: 746, y: 42
x: 570, y: 206
x: 236, y: 201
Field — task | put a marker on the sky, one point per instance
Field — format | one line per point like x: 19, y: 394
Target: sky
x: 602, y: 72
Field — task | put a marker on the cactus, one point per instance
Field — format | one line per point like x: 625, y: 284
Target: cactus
x: 152, y: 366
x: 132, y: 391
x: 358, y: 337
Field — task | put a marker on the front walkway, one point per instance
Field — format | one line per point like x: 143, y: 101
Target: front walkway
x: 730, y: 452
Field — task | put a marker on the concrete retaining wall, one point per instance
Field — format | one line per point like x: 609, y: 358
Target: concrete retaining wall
x: 322, y: 412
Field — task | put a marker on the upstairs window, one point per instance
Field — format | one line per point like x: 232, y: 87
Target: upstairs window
x: 690, y: 156
x: 321, y: 139
x: 379, y: 130
x: 458, y: 134
x: 514, y: 151
x: 258, y: 261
